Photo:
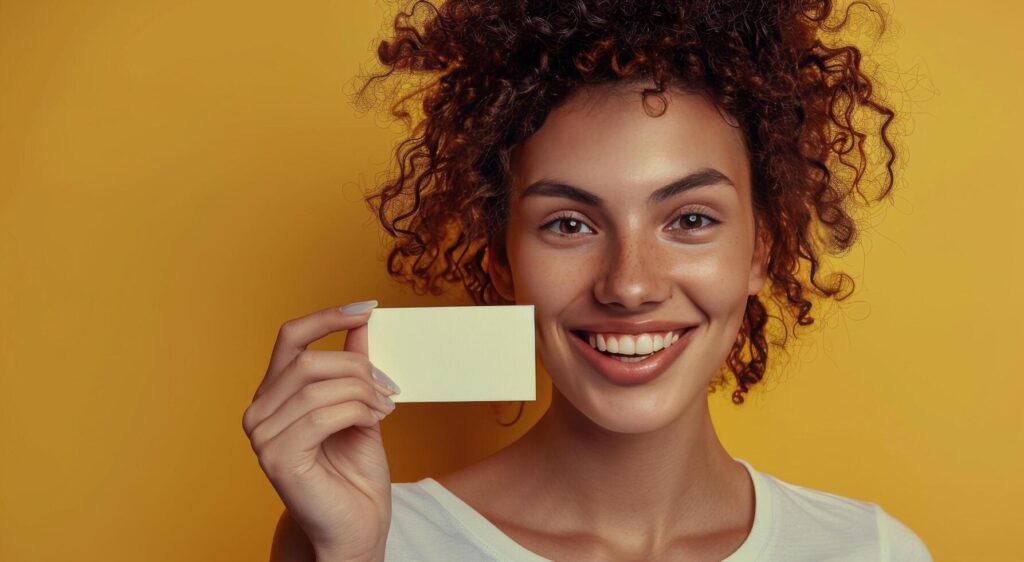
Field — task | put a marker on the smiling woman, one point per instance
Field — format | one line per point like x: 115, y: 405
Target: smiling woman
x: 650, y: 243
x: 632, y: 266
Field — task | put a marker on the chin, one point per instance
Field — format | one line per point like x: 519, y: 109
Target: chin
x: 632, y: 410
x: 619, y: 422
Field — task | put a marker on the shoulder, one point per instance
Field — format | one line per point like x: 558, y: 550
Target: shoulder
x: 414, y: 508
x: 899, y: 542
x: 424, y: 527
x: 810, y: 523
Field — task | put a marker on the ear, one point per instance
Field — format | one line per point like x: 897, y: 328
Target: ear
x: 759, y: 262
x: 498, y: 268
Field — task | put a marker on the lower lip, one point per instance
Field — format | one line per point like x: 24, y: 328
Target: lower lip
x: 623, y: 373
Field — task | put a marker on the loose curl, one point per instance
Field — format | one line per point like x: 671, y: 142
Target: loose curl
x: 490, y: 71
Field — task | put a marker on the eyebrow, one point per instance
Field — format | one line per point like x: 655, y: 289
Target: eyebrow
x: 701, y: 178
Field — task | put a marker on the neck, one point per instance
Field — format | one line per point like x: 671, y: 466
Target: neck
x: 636, y: 489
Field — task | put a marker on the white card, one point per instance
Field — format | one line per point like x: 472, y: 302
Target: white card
x: 455, y: 353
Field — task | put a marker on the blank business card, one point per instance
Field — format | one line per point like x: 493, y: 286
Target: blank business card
x: 455, y: 353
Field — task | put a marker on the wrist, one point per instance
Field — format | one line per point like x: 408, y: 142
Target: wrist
x: 326, y: 556
x: 333, y: 555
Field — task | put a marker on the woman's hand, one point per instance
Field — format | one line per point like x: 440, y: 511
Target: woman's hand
x: 314, y: 424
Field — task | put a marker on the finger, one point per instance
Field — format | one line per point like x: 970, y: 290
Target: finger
x: 318, y: 395
x: 356, y: 342
x: 308, y: 367
x: 305, y: 435
x: 356, y: 339
x: 295, y: 335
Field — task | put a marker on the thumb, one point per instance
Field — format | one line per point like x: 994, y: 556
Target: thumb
x: 356, y: 339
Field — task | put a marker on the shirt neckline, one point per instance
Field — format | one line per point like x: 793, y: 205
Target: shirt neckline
x: 490, y: 537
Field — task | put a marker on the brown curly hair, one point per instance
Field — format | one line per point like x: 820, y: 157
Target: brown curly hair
x: 484, y: 75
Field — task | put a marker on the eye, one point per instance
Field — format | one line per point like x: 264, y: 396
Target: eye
x: 692, y: 221
x: 568, y: 226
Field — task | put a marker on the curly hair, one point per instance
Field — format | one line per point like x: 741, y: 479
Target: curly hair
x: 490, y: 71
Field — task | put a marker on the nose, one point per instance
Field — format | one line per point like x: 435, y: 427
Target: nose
x: 632, y: 275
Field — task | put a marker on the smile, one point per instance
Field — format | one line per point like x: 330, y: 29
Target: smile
x: 628, y: 359
x: 632, y: 347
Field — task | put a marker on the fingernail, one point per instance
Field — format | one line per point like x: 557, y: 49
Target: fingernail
x: 389, y: 403
x: 378, y: 414
x: 357, y: 307
x: 385, y: 380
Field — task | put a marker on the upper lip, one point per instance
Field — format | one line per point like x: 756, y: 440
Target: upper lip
x: 625, y: 327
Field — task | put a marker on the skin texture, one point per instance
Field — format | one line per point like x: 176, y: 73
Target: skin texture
x: 611, y: 471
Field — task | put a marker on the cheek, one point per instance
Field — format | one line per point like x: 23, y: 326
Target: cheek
x: 712, y: 278
x: 546, y: 277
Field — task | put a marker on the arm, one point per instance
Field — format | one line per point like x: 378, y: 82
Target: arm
x: 290, y: 542
x: 292, y: 545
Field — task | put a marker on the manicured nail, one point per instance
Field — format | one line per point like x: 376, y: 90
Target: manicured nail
x: 357, y: 307
x: 378, y: 414
x: 388, y: 403
x: 385, y: 380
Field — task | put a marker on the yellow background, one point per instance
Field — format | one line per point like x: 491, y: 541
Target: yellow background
x: 178, y: 178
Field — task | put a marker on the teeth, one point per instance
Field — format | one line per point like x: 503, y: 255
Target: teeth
x: 633, y: 344
x: 634, y: 359
x: 644, y: 344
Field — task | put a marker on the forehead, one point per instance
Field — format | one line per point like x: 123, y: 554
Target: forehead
x: 602, y: 136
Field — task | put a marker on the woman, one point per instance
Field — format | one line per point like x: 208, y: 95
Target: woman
x: 648, y: 175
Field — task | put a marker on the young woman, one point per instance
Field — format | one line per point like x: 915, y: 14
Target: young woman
x: 648, y: 175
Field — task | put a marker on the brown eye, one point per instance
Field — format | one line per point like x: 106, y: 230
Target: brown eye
x: 694, y: 221
x: 568, y: 226
x: 691, y: 220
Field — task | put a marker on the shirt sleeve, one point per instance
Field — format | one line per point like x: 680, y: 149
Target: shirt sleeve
x: 898, y: 542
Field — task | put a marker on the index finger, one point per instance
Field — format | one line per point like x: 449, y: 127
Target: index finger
x: 295, y: 335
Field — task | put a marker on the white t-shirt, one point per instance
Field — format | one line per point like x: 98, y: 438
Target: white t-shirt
x: 791, y: 523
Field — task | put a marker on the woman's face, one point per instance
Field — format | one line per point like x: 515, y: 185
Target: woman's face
x: 605, y: 240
